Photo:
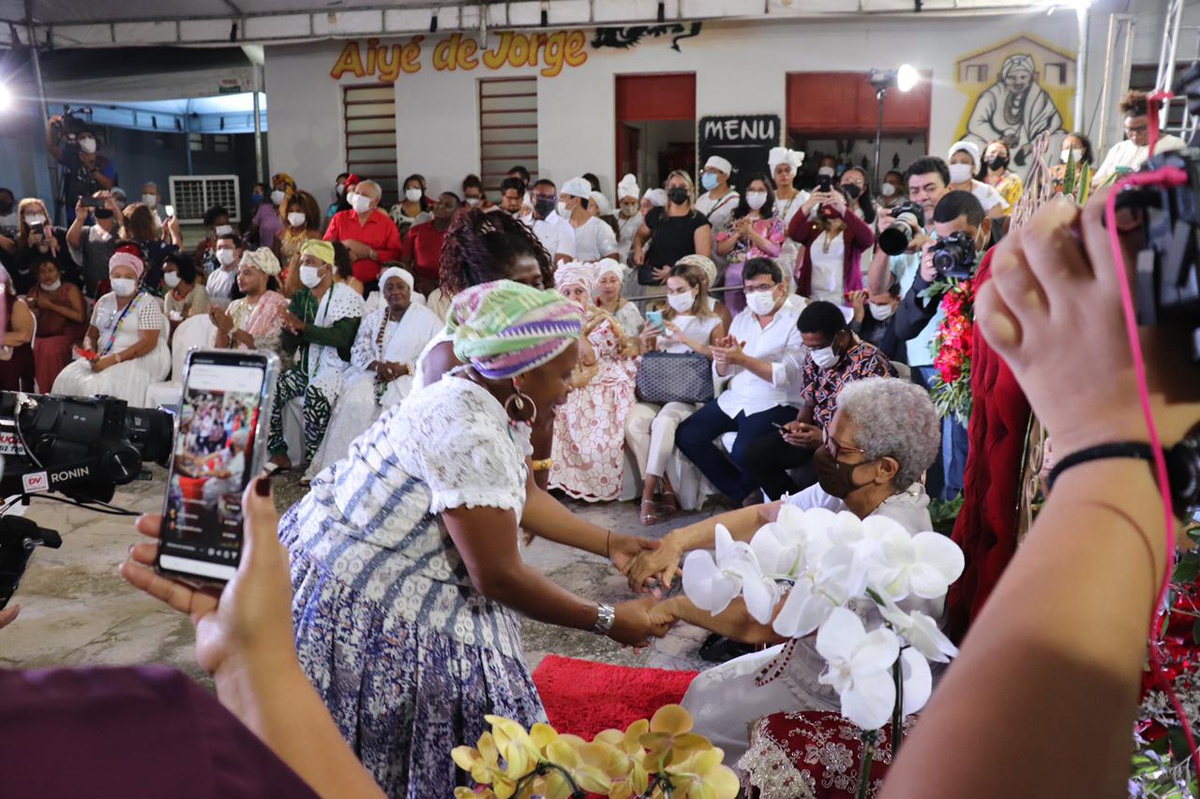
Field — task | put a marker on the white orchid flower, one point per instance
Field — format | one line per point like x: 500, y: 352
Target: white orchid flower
x: 917, y: 680
x: 712, y: 581
x: 924, y: 564
x: 920, y: 631
x: 830, y: 583
x: 779, y: 550
x: 859, y: 667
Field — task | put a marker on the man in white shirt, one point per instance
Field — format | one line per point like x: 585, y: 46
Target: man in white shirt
x: 594, y: 238
x: 554, y: 232
x: 964, y: 165
x: 761, y: 361
x: 1130, y: 154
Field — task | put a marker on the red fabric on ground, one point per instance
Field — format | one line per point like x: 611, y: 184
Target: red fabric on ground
x: 583, y: 697
x: 987, y: 526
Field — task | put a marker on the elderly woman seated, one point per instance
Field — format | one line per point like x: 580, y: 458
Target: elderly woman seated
x: 883, y: 436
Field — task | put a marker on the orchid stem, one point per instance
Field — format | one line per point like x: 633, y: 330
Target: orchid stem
x: 544, y: 768
x: 898, y: 710
x: 864, y: 776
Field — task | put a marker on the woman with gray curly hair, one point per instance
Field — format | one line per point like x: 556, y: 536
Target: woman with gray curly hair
x: 881, y: 440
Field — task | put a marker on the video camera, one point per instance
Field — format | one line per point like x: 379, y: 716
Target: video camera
x: 80, y: 447
x: 954, y: 257
x: 74, y: 123
x: 908, y: 219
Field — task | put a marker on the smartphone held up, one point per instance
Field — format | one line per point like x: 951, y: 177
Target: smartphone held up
x: 220, y: 443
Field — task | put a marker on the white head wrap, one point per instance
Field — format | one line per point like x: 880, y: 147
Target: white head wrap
x: 705, y: 264
x: 575, y: 273
x: 720, y: 164
x: 782, y: 155
x: 657, y: 197
x: 628, y: 187
x: 262, y: 259
x: 395, y: 271
x: 1017, y: 61
x: 968, y: 147
x: 576, y: 187
x: 601, y: 202
x: 606, y: 266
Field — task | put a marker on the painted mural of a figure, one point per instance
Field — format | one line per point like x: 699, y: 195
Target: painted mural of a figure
x: 1015, y: 108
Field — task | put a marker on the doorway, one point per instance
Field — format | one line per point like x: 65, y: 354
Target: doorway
x: 656, y: 126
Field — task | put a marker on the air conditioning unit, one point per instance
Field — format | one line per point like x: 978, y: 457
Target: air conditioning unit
x: 192, y: 195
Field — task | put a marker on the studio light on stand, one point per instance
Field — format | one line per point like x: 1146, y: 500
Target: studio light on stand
x: 903, y: 79
x: 6, y: 97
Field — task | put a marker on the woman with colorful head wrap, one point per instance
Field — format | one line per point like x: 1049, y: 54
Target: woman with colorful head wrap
x: 588, y: 460
x: 126, y: 340
x: 254, y: 321
x: 405, y: 558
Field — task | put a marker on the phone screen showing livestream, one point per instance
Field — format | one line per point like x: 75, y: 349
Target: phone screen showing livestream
x: 218, y: 421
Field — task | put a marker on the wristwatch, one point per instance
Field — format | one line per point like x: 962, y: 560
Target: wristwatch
x: 606, y: 617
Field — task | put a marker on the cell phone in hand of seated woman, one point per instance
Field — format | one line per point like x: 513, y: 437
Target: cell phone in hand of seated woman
x: 655, y: 319
x: 220, y: 444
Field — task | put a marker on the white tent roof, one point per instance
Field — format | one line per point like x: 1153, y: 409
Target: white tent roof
x: 100, y: 23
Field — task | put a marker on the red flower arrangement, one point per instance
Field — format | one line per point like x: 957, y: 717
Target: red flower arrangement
x: 951, y: 388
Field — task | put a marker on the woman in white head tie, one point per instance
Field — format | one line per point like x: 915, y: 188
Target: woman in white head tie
x: 128, y: 335
x: 783, y: 165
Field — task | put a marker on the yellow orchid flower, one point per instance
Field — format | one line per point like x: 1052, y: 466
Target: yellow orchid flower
x: 521, y: 756
x: 630, y: 778
x: 551, y: 785
x: 670, y: 738
x: 702, y: 776
x: 542, y: 735
x: 473, y: 793
x: 483, y: 764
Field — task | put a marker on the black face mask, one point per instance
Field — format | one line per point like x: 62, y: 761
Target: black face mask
x: 544, y: 205
x: 6, y: 207
x: 851, y: 190
x: 999, y: 162
x: 678, y: 195
x: 103, y: 213
x: 836, y: 479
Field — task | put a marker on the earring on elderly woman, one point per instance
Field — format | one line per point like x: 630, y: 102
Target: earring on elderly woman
x: 520, y: 399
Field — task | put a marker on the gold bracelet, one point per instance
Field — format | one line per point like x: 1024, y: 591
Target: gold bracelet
x: 543, y: 465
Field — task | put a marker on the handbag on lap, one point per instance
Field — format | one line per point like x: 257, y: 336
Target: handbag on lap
x: 664, y: 377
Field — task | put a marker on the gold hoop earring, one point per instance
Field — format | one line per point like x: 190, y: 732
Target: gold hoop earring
x: 520, y: 400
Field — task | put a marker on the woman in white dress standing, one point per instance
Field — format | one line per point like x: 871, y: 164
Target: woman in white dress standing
x: 784, y: 164
x: 629, y: 217
x: 382, y: 360
x: 128, y: 335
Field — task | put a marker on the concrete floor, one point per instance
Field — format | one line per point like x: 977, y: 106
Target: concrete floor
x: 77, y: 610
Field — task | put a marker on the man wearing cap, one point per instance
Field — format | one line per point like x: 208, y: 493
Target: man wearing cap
x: 629, y: 215
x: 368, y: 233
x: 552, y: 229
x: 719, y: 200
x: 319, y: 329
x: 594, y: 239
x: 964, y: 165
x: 388, y: 343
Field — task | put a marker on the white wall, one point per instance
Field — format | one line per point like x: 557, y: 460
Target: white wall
x: 740, y: 68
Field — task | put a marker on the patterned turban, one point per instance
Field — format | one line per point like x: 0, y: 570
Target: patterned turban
x: 705, y: 265
x: 506, y: 329
x: 128, y: 255
x: 574, y: 273
x: 320, y: 249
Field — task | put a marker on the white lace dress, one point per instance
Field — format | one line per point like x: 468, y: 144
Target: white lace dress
x: 406, y: 654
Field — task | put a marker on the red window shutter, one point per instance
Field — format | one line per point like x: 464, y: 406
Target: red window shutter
x: 649, y: 98
x: 844, y: 102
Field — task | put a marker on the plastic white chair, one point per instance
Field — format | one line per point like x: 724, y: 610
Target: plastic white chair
x: 193, y: 332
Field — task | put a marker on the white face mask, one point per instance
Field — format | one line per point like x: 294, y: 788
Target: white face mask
x: 412, y: 195
x: 474, y: 201
x: 887, y: 190
x: 310, y: 276
x: 35, y: 220
x: 756, y: 199
x: 824, y: 358
x: 340, y: 189
x: 360, y: 203
x: 171, y: 279
x: 562, y: 209
x: 123, y: 286
x: 224, y: 230
x: 960, y: 173
x: 277, y: 197
x: 55, y: 286
x: 226, y: 257
x: 150, y: 200
x: 628, y: 211
x: 827, y: 171
x: 527, y: 219
x: 296, y: 219
x: 761, y: 303
x: 681, y: 303
x: 87, y: 145
x: 1067, y: 154
x: 881, y: 312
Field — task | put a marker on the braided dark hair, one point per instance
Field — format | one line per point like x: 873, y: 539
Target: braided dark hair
x: 481, y: 246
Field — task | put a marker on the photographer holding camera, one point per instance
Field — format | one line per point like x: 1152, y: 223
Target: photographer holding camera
x: 73, y: 145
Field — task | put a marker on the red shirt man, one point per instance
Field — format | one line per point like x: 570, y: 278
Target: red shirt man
x: 421, y: 252
x: 368, y: 233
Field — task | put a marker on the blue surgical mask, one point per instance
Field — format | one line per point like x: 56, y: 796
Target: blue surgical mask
x: 709, y: 181
x: 256, y: 199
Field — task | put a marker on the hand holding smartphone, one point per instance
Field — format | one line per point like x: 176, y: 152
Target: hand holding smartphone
x: 655, y: 319
x: 220, y: 445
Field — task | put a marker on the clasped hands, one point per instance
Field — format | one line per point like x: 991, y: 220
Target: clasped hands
x: 728, y: 351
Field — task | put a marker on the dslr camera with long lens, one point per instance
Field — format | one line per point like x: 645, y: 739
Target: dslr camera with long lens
x: 908, y: 219
x: 954, y: 257
x: 82, y: 448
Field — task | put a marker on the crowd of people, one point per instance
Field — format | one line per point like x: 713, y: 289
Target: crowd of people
x: 749, y: 342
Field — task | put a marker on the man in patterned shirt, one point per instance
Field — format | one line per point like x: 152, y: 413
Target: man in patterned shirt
x: 835, y: 357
